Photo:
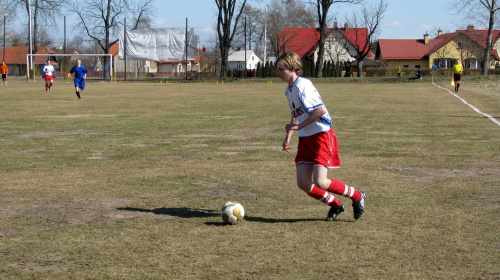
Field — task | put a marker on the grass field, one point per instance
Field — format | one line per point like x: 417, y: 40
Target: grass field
x: 128, y: 183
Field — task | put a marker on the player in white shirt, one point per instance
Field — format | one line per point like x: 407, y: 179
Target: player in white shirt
x: 318, y: 147
x: 48, y: 69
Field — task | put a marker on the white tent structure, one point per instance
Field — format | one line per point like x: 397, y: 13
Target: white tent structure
x: 156, y: 44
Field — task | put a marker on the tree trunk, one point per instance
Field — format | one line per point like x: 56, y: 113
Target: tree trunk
x: 487, y: 50
x: 360, y: 68
x: 322, y: 7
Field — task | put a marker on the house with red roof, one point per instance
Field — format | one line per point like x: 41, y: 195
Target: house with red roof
x: 342, y: 44
x: 15, y: 58
x: 442, y: 51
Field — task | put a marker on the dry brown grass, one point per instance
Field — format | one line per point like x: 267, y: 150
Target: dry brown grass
x: 128, y: 183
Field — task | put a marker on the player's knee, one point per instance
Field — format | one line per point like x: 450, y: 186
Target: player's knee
x: 322, y: 183
x: 304, y: 185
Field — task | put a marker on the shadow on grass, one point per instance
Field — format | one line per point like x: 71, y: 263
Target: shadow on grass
x: 184, y: 212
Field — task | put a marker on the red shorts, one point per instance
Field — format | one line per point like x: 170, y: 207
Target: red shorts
x: 319, y: 149
x: 49, y: 78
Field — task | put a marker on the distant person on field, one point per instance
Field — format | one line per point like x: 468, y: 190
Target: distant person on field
x: 80, y: 76
x: 457, y: 69
x: 347, y: 69
x: 419, y: 73
x: 48, y: 69
x: 317, y: 147
x: 5, y: 72
x: 398, y: 71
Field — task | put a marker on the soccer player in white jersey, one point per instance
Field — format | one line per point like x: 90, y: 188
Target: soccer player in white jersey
x: 49, y: 75
x: 317, y: 147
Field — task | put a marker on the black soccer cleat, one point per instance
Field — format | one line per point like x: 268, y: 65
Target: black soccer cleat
x: 359, y: 206
x: 333, y: 212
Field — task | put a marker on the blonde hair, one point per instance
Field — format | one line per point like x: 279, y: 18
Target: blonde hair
x: 291, y: 61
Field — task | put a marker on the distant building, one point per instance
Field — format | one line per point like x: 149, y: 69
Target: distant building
x: 237, y: 60
x: 341, y: 44
x: 15, y: 58
x: 442, y: 51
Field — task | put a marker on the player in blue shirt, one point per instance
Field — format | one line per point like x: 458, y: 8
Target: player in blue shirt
x: 80, y: 76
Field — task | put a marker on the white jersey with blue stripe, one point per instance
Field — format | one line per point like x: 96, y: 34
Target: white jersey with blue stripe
x: 303, y: 98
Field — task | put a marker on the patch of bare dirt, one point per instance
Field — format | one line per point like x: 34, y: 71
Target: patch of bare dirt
x: 213, y: 184
x: 59, y: 133
x: 486, y: 202
x: 43, y: 265
x: 82, y: 211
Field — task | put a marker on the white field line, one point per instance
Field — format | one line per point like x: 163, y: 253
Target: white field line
x: 470, y: 105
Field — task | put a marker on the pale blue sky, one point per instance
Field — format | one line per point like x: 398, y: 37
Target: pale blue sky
x: 404, y: 19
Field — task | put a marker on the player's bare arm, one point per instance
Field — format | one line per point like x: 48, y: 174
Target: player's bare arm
x: 288, y: 137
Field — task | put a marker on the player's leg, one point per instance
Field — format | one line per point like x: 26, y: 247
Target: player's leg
x: 327, y: 156
x: 305, y: 173
x: 77, y: 88
x: 357, y: 197
x: 320, y: 179
x: 82, y: 84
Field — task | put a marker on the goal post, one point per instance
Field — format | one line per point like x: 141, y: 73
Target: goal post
x: 99, y: 66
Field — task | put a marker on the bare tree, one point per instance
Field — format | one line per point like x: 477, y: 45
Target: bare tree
x: 44, y: 13
x: 483, y: 12
x: 370, y: 18
x: 6, y: 13
x: 100, y: 19
x: 141, y: 12
x: 283, y: 14
x: 227, y: 21
x: 322, y: 9
x: 253, y: 18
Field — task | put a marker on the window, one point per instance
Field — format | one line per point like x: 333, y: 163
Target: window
x: 473, y: 63
x: 406, y: 66
x: 417, y: 66
x: 460, y: 45
x: 443, y: 63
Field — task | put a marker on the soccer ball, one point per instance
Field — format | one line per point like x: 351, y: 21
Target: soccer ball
x: 232, y: 213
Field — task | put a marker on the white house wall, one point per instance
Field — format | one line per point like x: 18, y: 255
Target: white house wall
x: 337, y: 48
x: 496, y: 46
x: 237, y: 60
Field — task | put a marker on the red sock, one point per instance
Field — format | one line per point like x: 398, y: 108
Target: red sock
x: 324, y: 197
x: 337, y: 187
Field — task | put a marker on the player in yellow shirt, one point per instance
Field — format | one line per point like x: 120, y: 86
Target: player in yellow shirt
x: 457, y: 69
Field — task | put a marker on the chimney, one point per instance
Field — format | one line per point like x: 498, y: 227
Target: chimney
x: 346, y: 26
x: 426, y: 38
x: 470, y: 27
x: 335, y: 25
x: 440, y: 32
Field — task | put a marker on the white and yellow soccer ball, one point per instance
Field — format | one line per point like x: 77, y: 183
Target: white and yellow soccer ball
x: 232, y: 213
